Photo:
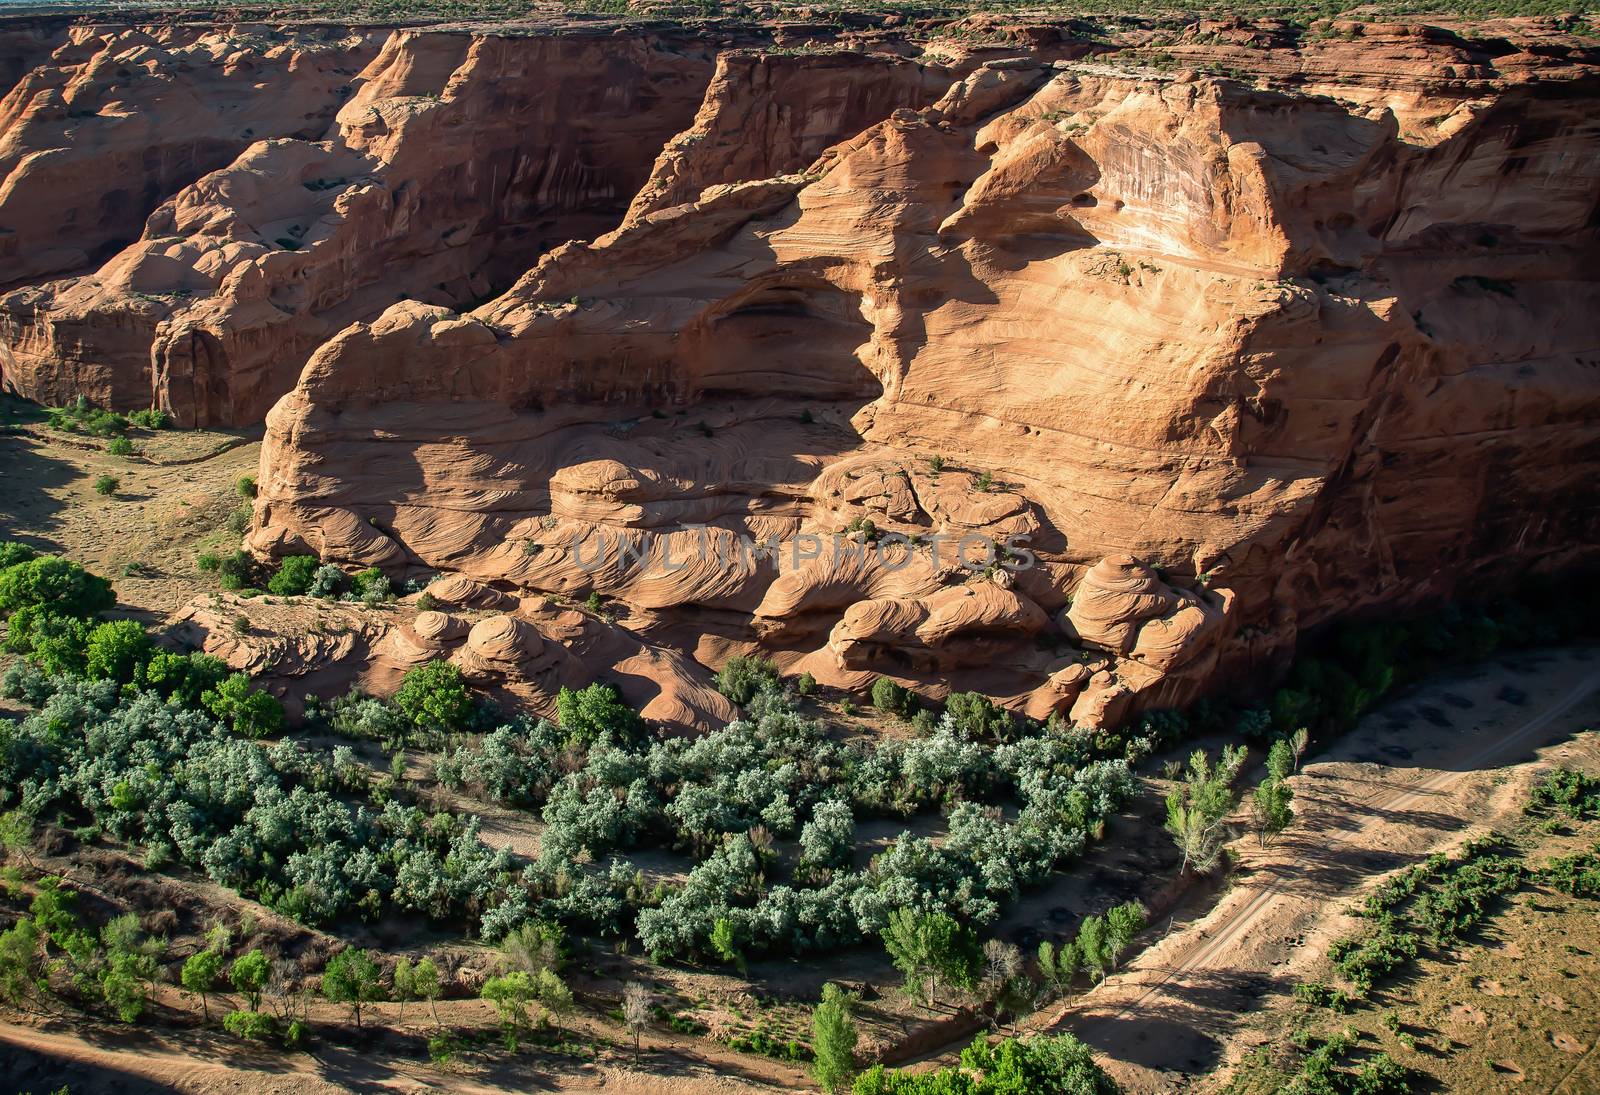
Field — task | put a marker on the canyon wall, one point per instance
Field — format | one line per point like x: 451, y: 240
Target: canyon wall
x: 1223, y: 335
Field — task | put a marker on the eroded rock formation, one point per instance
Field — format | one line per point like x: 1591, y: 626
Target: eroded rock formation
x: 1189, y: 363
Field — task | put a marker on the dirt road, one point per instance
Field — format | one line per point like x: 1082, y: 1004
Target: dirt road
x: 1417, y: 776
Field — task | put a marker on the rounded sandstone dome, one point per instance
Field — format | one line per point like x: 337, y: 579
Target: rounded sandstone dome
x: 438, y: 627
x: 1121, y: 574
x: 463, y: 592
x: 504, y: 639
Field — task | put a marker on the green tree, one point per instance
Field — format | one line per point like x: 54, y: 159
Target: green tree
x: 200, y: 975
x: 725, y: 942
x: 294, y: 576
x: 1092, y: 946
x: 1269, y: 808
x: 351, y: 978
x: 55, y: 643
x: 107, y: 485
x: 12, y: 553
x: 425, y: 983
x: 435, y: 698
x: 252, y: 712
x: 20, y: 962
x: 833, y: 1039
x: 63, y: 587
x: 930, y: 949
x: 128, y: 967
x: 1058, y: 966
x: 405, y: 987
x: 248, y: 975
x: 117, y: 650
x: 512, y: 994
x: 1123, y: 924
x: 1200, y: 804
x: 16, y: 835
x: 184, y: 677
x: 588, y: 714
x: 1280, y: 759
x: 554, y: 995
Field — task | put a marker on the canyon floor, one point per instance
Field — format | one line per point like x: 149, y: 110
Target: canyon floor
x: 1441, y: 762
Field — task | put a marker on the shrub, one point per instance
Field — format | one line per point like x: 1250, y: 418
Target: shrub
x: 252, y: 713
x: 595, y: 712
x: 246, y: 486
x: 117, y: 650
x: 742, y: 677
x: 1058, y: 1064
x: 120, y: 446
x: 1318, y: 995
x: 891, y: 697
x: 326, y: 581
x: 153, y: 419
x: 975, y: 717
x: 63, y: 587
x: 239, y: 519
x: 294, y: 577
x: 372, y: 586
x: 12, y: 553
x: 252, y: 1026
x: 208, y: 562
x: 107, y: 485
x: 435, y: 698
x: 236, y: 571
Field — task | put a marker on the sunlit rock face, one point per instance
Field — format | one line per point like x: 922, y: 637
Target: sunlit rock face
x: 1214, y: 360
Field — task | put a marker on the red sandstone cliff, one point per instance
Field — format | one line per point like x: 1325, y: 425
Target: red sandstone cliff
x: 1311, y: 340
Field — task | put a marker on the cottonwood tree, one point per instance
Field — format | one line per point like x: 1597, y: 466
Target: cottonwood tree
x: 248, y: 974
x: 930, y: 949
x: 199, y: 976
x: 833, y: 1039
x: 1059, y: 965
x: 1269, y: 808
x: 351, y: 978
x: 1199, y: 805
x: 1123, y: 924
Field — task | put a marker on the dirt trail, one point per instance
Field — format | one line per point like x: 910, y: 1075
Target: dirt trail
x: 1168, y: 1016
x: 96, y: 1057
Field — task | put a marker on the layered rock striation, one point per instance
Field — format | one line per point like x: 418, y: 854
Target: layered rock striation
x: 1081, y: 380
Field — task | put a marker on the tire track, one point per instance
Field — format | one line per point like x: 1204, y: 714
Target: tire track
x: 1198, y: 956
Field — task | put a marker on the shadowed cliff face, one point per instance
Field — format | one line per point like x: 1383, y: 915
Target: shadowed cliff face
x: 1231, y: 358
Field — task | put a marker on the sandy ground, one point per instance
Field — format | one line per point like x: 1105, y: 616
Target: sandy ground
x: 175, y: 496
x: 1422, y: 774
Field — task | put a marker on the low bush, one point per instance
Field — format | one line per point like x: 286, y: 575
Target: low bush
x: 295, y: 575
x: 742, y: 677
